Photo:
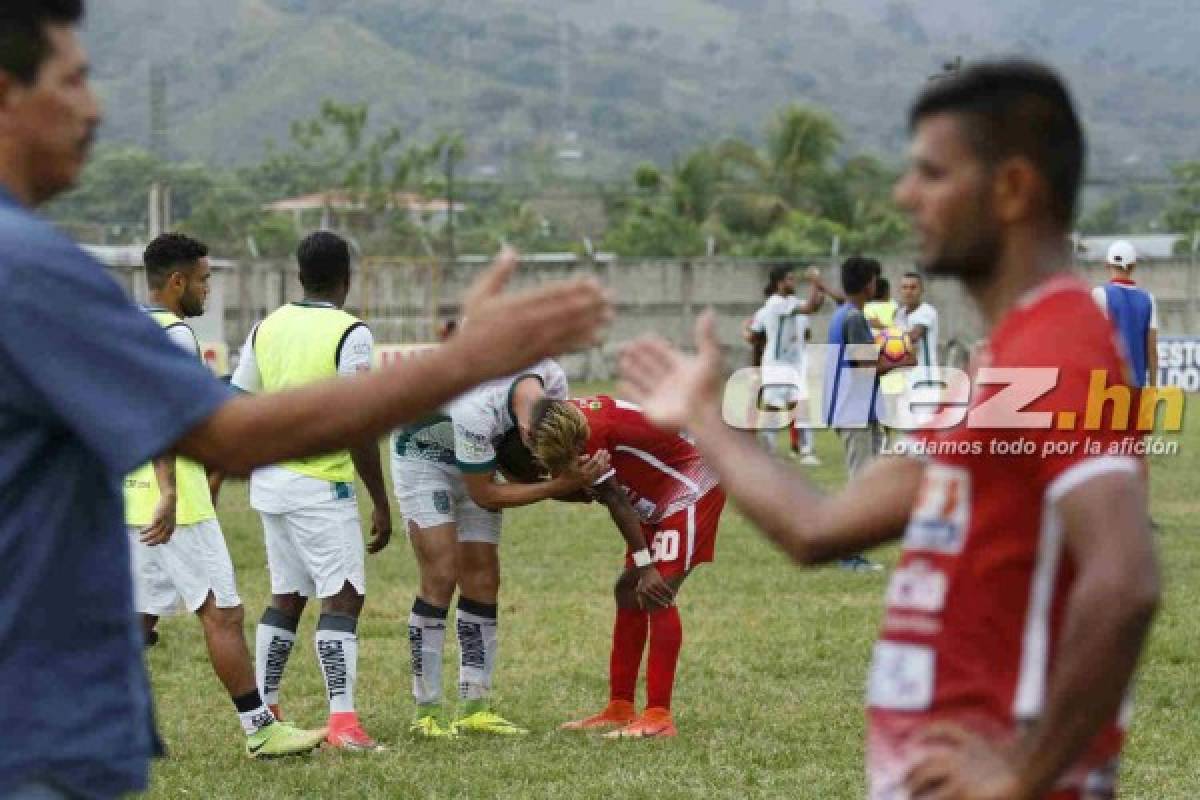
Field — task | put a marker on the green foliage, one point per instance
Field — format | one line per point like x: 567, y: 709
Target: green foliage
x: 651, y: 229
x: 1183, y: 209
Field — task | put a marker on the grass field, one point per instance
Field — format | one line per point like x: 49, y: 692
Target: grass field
x: 770, y: 692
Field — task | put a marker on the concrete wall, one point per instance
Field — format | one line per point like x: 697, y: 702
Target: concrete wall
x: 404, y: 300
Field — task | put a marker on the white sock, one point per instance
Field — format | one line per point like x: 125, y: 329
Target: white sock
x: 477, y: 643
x: 337, y: 653
x: 767, y: 440
x: 252, y: 712
x: 426, y: 638
x: 806, y: 441
x: 273, y: 642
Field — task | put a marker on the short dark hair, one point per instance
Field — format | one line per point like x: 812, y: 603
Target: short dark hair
x: 857, y: 272
x: 324, y: 259
x: 170, y: 252
x: 1016, y: 108
x: 917, y: 277
x: 24, y: 45
x: 775, y: 276
x: 882, y: 288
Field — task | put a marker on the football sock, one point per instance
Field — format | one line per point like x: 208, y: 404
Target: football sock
x: 666, y: 637
x: 252, y: 712
x: 628, y: 641
x: 806, y: 438
x: 426, y: 637
x: 273, y: 641
x: 794, y: 436
x: 477, y: 642
x: 337, y: 652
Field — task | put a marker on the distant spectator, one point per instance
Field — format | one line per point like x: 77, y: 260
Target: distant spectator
x: 1133, y: 312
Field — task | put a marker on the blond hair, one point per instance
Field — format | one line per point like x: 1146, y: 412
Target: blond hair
x: 560, y: 433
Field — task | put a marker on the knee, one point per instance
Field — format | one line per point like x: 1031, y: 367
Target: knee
x: 291, y: 605
x: 438, y: 581
x: 481, y: 584
x: 347, y: 601
x: 222, y: 619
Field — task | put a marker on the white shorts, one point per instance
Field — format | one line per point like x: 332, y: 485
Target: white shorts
x: 315, y: 551
x: 431, y: 493
x: 183, y: 571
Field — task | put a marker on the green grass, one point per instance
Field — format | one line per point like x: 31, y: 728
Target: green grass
x: 770, y: 690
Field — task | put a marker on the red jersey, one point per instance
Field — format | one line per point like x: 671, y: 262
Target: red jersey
x: 661, y: 473
x: 975, y: 607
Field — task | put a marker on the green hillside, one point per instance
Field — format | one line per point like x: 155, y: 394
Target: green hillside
x: 622, y: 81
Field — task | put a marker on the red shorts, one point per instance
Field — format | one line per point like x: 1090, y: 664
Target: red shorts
x: 686, y: 538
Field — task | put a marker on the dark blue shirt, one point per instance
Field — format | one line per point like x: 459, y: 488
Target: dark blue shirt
x: 851, y: 383
x: 90, y: 388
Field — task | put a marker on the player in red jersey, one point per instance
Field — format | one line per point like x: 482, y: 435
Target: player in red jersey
x: 1027, y: 582
x: 666, y: 503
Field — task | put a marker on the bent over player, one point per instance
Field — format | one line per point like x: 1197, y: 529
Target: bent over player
x: 444, y: 473
x: 666, y: 503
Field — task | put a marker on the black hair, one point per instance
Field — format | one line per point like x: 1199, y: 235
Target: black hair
x: 1016, y: 108
x: 324, y: 260
x: 776, y: 275
x: 171, y: 252
x: 917, y: 277
x: 857, y: 272
x: 882, y: 289
x: 24, y: 46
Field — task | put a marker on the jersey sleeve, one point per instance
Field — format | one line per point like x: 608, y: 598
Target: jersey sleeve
x: 246, y: 377
x: 1100, y: 299
x: 554, y: 380
x: 925, y: 315
x: 474, y: 433
x: 1153, y: 313
x: 356, y: 351
x: 757, y: 323
x: 184, y: 338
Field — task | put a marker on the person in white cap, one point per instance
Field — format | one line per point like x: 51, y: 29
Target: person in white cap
x: 1133, y: 313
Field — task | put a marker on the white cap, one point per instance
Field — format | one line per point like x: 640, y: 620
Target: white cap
x: 1121, y: 254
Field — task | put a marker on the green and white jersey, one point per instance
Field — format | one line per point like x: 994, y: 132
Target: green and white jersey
x: 465, y: 432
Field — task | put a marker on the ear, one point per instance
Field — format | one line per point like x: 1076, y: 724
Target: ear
x: 1017, y: 190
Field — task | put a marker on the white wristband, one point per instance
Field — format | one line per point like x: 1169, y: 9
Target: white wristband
x: 642, y: 558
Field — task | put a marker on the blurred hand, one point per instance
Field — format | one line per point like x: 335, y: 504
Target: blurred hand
x: 587, y: 472
x: 673, y: 388
x: 652, y: 590
x: 504, y: 332
x: 960, y: 765
x: 381, y: 530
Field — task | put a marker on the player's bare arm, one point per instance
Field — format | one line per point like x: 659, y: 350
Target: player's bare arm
x: 506, y: 332
x: 487, y: 493
x: 162, y: 526
x: 370, y: 472
x: 652, y: 590
x: 916, y: 333
x: 677, y: 391
x: 1109, y: 611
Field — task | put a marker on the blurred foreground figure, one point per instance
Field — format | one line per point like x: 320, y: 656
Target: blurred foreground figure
x: 1027, y: 582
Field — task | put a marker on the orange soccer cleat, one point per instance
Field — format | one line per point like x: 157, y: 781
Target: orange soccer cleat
x: 653, y: 723
x: 275, y: 710
x: 346, y: 733
x: 617, y: 713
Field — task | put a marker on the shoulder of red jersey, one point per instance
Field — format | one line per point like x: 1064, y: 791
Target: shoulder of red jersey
x: 1056, y: 324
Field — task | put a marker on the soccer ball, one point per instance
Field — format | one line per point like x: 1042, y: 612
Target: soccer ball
x: 894, y: 344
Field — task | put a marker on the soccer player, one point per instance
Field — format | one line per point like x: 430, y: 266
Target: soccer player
x: 666, y: 504
x: 80, y: 411
x: 444, y: 472
x: 1027, y: 583
x: 1132, y: 311
x: 178, y: 550
x: 783, y: 321
x: 919, y: 320
x: 308, y: 506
